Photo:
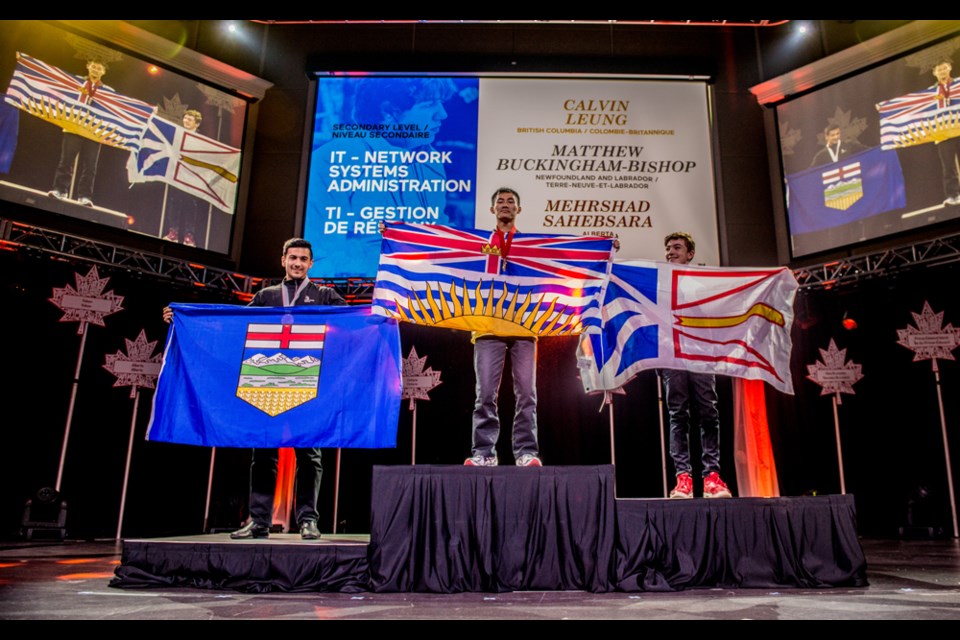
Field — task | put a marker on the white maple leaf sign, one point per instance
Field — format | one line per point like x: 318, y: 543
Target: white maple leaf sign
x: 417, y: 381
x: 834, y: 374
x: 138, y: 367
x: 929, y: 340
x: 88, y: 302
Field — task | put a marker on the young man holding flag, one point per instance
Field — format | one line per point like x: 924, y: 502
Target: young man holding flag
x: 684, y: 388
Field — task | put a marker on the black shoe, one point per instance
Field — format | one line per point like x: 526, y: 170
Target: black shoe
x: 308, y: 530
x: 251, y: 530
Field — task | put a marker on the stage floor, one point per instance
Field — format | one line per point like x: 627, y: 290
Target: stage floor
x: 43, y: 580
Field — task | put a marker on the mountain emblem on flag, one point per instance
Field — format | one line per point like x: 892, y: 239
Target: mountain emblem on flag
x: 843, y: 187
x: 285, y: 380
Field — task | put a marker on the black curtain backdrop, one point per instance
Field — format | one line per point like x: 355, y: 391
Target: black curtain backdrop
x: 890, y: 428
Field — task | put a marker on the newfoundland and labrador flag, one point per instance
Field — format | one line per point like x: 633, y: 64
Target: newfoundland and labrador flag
x: 195, y: 164
x: 530, y: 284
x: 727, y: 321
x: 305, y: 376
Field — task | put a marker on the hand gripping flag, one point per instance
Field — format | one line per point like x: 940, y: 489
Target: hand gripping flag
x: 188, y: 161
x: 304, y: 376
x: 930, y: 115
x: 522, y: 285
x: 60, y: 98
x: 726, y: 321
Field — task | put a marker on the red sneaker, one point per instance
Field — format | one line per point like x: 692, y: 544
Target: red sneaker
x: 714, y: 487
x: 684, y: 488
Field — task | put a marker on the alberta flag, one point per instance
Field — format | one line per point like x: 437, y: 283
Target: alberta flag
x: 527, y: 284
x: 863, y: 185
x: 303, y: 376
x: 188, y: 161
x: 727, y: 321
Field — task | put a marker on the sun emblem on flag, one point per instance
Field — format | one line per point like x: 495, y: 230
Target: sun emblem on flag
x: 504, y: 310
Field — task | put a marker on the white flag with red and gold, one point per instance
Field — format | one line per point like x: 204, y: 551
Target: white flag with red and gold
x: 726, y: 321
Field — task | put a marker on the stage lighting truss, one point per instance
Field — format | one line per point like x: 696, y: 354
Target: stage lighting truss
x: 887, y: 262
x: 46, y: 243
x: 18, y: 236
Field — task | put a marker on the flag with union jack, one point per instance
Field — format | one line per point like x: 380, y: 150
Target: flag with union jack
x: 188, y: 161
x: 726, y: 321
x: 930, y: 115
x: 521, y: 285
x: 236, y: 376
x: 58, y: 97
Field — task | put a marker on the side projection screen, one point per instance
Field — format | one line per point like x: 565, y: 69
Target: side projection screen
x: 874, y: 154
x: 614, y: 156
x: 95, y: 134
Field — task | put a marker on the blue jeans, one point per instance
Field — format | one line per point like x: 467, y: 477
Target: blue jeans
x: 489, y: 354
x: 700, y: 389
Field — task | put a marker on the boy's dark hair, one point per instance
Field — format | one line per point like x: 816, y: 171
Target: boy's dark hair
x: 493, y: 199
x: 297, y: 243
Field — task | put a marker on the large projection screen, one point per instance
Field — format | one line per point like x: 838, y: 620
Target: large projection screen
x: 142, y: 148
x: 895, y: 169
x: 615, y: 156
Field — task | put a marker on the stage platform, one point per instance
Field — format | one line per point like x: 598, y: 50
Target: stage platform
x: 453, y: 529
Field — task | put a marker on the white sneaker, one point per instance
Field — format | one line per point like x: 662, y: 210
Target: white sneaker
x: 59, y: 195
x: 87, y: 202
x: 529, y: 460
x: 952, y: 200
x: 480, y: 461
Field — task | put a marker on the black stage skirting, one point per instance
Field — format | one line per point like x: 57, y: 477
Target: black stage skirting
x: 278, y: 563
x: 667, y: 545
x: 449, y: 529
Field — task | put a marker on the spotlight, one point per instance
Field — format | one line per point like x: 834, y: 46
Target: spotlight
x: 45, y: 512
x: 848, y: 323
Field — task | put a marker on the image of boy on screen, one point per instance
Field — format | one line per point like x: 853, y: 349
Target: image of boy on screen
x: 382, y: 163
x: 78, y: 153
x: 184, y: 212
x: 835, y: 148
x: 948, y: 94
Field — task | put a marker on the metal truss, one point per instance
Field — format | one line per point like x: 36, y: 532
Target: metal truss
x: 24, y: 237
x: 935, y: 252
x: 31, y: 239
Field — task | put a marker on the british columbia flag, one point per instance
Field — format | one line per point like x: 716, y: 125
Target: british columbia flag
x: 60, y: 98
x: 726, y: 321
x: 520, y: 284
x: 930, y: 115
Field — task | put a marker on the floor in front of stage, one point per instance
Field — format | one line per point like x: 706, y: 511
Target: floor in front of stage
x: 53, y: 580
